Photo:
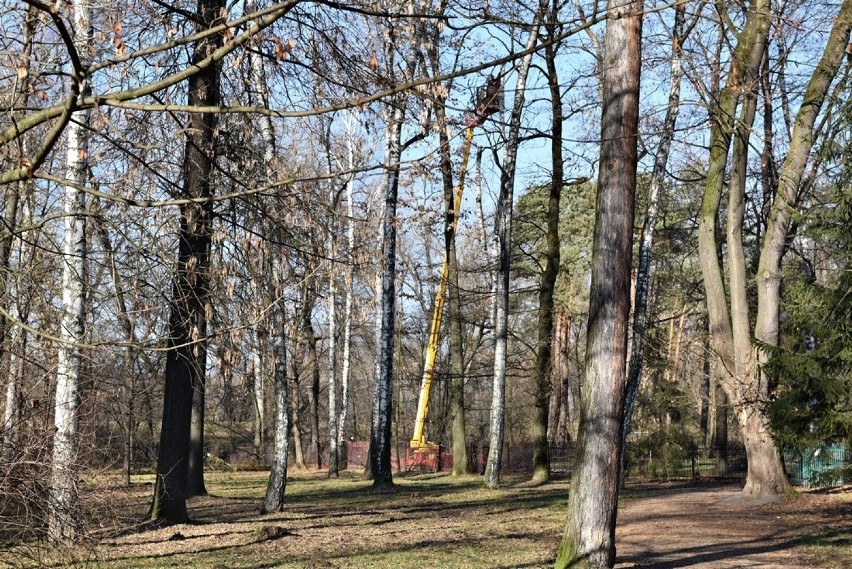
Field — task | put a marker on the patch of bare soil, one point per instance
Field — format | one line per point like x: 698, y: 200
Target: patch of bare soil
x: 701, y: 526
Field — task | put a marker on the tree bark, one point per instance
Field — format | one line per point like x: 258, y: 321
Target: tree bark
x: 277, y: 483
x: 544, y: 349
x: 456, y: 350
x: 589, y: 538
x: 310, y: 339
x: 63, y: 513
x: 380, y: 440
x: 504, y: 237
x: 333, y: 466
x: 180, y: 463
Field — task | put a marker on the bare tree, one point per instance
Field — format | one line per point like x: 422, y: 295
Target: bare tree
x: 504, y: 237
x: 186, y: 357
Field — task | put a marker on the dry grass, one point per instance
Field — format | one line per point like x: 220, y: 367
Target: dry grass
x: 439, y: 521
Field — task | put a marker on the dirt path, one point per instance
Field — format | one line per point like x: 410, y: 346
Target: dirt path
x: 704, y: 527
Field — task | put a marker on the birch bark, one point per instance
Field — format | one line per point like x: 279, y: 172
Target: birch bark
x: 504, y: 237
x: 63, y: 521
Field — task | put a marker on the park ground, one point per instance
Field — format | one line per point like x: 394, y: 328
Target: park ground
x: 439, y: 521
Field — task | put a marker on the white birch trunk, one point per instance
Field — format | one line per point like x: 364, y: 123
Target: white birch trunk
x: 333, y: 466
x: 504, y: 233
x: 347, y: 310
x: 277, y: 484
x: 259, y: 399
x: 63, y: 523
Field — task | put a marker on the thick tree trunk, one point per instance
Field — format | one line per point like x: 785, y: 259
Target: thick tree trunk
x: 63, y: 513
x: 380, y: 440
x: 504, y: 237
x: 186, y: 356
x: 589, y: 538
x: 277, y: 483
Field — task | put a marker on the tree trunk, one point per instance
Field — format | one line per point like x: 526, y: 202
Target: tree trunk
x: 589, y: 538
x: 128, y: 328
x: 180, y: 464
x: 277, y: 484
x: 333, y: 466
x: 380, y: 439
x: 504, y: 236
x: 544, y: 349
x: 765, y: 472
x: 345, y: 371
x: 63, y: 512
x: 259, y: 392
x: 310, y: 339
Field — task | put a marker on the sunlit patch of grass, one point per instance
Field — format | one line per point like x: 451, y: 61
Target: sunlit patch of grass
x: 830, y: 549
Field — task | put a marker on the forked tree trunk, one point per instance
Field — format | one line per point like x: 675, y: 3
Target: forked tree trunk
x: 589, y: 538
x: 180, y: 463
x: 731, y: 332
x: 63, y: 512
x: 504, y: 236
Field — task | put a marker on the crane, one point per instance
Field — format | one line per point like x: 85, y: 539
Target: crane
x: 488, y: 100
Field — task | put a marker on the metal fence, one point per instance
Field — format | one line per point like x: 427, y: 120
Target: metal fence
x: 690, y: 462
x: 826, y: 465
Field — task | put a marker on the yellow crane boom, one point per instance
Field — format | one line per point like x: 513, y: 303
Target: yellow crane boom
x: 418, y: 441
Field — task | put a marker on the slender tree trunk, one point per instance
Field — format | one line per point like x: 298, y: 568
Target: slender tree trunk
x: 295, y: 409
x: 63, y: 515
x: 259, y: 392
x: 380, y: 440
x: 267, y: 132
x: 345, y: 370
x: 589, y: 538
x: 128, y: 329
x: 643, y: 270
x: 333, y: 466
x: 310, y: 339
x: 544, y: 349
x: 504, y: 236
x: 180, y: 464
x: 277, y: 483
